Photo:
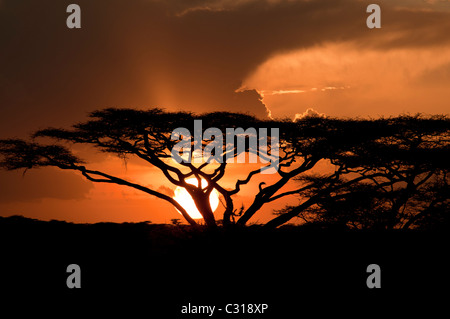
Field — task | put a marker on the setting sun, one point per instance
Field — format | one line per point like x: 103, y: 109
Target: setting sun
x: 182, y: 196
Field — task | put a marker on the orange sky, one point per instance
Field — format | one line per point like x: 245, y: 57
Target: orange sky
x: 276, y: 56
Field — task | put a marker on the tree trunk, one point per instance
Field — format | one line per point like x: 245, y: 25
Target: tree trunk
x: 203, y: 206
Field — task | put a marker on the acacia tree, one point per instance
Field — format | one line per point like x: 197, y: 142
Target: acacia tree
x: 345, y: 144
x: 399, y: 181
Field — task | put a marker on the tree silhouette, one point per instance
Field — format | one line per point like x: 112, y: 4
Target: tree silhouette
x: 398, y: 181
x: 393, y: 160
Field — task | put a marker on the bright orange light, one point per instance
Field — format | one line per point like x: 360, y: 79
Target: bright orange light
x: 184, y: 199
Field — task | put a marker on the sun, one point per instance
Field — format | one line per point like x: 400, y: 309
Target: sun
x: 184, y: 199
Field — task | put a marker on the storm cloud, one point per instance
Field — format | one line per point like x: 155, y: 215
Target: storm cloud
x: 173, y: 54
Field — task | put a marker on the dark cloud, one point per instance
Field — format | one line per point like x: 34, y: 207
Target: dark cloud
x: 190, y: 55
x: 142, y: 54
x: 36, y: 185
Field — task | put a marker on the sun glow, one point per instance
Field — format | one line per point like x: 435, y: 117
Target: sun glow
x: 184, y: 199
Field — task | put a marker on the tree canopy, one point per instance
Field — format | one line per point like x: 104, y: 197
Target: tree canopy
x: 385, y: 173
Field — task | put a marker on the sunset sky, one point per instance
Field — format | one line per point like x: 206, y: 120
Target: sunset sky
x: 277, y: 58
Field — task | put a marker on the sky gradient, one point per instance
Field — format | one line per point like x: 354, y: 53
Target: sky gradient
x: 275, y: 58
